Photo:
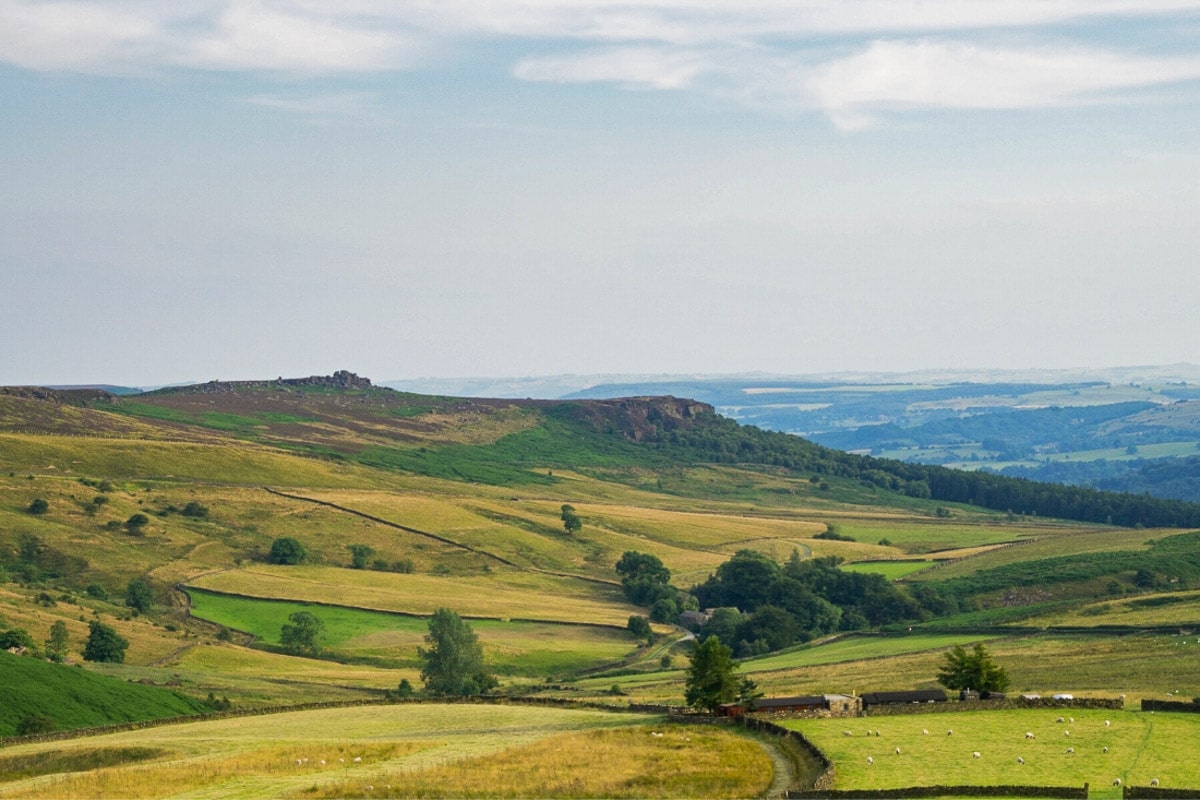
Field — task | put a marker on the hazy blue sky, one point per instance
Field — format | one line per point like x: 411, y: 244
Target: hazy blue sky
x: 241, y: 189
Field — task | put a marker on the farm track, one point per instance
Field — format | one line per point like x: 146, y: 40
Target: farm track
x: 783, y: 775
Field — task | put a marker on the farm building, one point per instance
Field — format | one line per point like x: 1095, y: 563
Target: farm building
x: 820, y: 705
x: 898, y: 698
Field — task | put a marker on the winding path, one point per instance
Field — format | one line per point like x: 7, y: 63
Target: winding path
x: 784, y: 776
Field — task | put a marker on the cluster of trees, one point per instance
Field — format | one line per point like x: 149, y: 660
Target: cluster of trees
x: 288, y: 550
x: 647, y: 582
x: 759, y: 606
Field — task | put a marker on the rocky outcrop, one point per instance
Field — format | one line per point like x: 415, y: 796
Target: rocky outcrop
x: 639, y: 418
x: 338, y: 380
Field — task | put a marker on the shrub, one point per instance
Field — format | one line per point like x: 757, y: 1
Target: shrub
x: 194, y: 509
x: 97, y: 591
x: 32, y: 724
x: 136, y: 523
x: 287, y: 550
x: 39, y: 506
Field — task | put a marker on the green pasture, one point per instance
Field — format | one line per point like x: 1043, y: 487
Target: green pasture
x: 929, y: 536
x: 511, y: 648
x: 892, y: 570
x: 1141, y: 747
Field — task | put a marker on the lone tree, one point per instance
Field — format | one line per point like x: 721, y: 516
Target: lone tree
x: 712, y: 676
x: 570, y: 520
x: 972, y: 670
x: 104, y: 644
x: 453, y: 662
x: 56, y: 645
x: 287, y: 550
x: 639, y: 626
x: 136, y: 522
x: 139, y: 596
x: 39, y: 506
x: 299, y: 634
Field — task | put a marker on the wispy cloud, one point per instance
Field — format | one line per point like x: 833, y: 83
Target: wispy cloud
x: 636, y: 67
x: 852, y: 59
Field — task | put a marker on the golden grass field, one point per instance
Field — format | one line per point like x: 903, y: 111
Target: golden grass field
x: 411, y: 751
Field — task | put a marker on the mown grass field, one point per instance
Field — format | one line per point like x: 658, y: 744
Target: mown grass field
x: 503, y: 595
x: 1141, y: 747
x: 511, y: 648
x: 412, y: 750
x: 892, y: 570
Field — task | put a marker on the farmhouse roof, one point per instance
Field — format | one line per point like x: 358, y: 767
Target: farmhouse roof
x: 914, y: 696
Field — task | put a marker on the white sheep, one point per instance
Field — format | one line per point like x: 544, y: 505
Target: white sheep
x: 357, y: 759
x: 924, y: 731
x: 1103, y: 749
x: 1107, y: 723
x: 1071, y: 720
x: 1020, y: 760
x: 1060, y: 719
x: 949, y: 733
x: 1117, y: 782
x: 897, y: 751
x: 1066, y: 733
x: 1070, y: 749
x: 870, y: 760
x: 847, y: 733
x: 975, y: 754
x: 1029, y: 735
x: 1154, y: 781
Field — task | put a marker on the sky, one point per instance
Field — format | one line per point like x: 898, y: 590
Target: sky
x: 246, y: 189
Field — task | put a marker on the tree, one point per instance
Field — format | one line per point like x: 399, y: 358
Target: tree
x: 287, y: 550
x: 639, y: 626
x: 39, y: 506
x: 359, y: 553
x: 18, y: 638
x: 453, y: 662
x: 711, y: 677
x: 56, y: 645
x: 299, y: 634
x: 972, y: 670
x: 570, y: 520
x: 139, y: 596
x: 104, y: 644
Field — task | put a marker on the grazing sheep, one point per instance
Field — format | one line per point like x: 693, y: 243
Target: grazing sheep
x: 949, y: 733
x: 1117, y: 782
x: 1070, y: 749
x: 1020, y: 760
x: 357, y: 759
x: 1154, y: 781
x: 1029, y: 735
x: 975, y: 754
x: 1107, y: 723
x: 924, y: 731
x: 1066, y: 733
x: 1071, y: 720
x: 1060, y: 719
x: 897, y: 751
x: 847, y: 733
x: 1103, y: 749
x: 870, y: 760
x: 298, y: 762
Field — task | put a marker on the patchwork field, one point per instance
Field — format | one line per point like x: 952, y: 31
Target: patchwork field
x: 511, y: 648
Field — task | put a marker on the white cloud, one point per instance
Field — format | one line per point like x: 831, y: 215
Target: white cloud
x: 72, y: 36
x: 925, y: 74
